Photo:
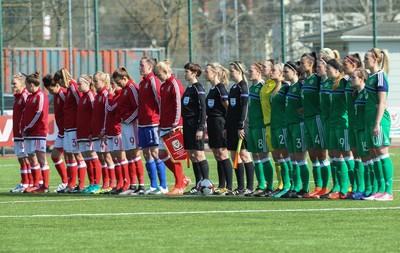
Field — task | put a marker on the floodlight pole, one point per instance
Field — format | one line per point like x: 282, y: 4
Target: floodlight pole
x: 70, y: 38
x: 1, y: 66
x: 1, y: 59
x: 283, y: 31
x: 96, y: 34
x: 190, y: 31
x: 321, y: 22
x: 374, y: 31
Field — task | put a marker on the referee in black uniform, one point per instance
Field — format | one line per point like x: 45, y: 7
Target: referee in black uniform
x: 194, y: 117
x: 236, y: 127
x: 217, y: 103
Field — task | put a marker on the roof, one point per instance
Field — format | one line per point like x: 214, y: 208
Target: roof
x: 385, y: 31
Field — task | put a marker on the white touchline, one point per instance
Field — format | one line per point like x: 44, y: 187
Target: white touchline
x: 52, y: 200
x: 198, y: 212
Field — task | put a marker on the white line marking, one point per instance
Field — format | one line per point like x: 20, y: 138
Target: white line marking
x: 52, y: 200
x: 198, y: 212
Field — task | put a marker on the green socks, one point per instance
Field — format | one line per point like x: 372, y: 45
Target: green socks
x: 268, y: 172
x: 387, y: 169
x: 305, y: 175
x: 317, y: 174
x: 325, y: 173
x: 258, y: 168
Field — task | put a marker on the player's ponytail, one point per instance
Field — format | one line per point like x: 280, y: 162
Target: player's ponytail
x: 122, y: 72
x: 34, y: 78
x: 48, y: 81
x: 164, y: 65
x: 105, y: 77
x: 337, y: 64
x: 382, y: 57
x: 87, y: 79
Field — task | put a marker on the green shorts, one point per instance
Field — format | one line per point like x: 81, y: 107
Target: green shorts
x: 327, y: 131
x: 352, y: 138
x: 314, y: 132
x: 382, y: 139
x: 339, y: 139
x: 256, y: 142
x: 295, y: 138
x: 278, y: 137
x: 362, y: 149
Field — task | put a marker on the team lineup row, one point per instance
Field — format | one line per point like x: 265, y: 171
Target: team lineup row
x: 331, y: 108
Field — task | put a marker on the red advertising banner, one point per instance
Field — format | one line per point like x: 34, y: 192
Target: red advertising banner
x: 6, y: 131
x: 174, y: 146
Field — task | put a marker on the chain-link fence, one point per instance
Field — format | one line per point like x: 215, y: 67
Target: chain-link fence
x: 222, y: 30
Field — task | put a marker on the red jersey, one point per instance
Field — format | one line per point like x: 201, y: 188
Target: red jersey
x: 170, y: 110
x: 149, y: 101
x: 71, y: 105
x: 34, y: 118
x: 99, y: 113
x: 59, y: 100
x: 18, y: 110
x: 113, y: 121
x: 84, y: 116
x: 128, y: 103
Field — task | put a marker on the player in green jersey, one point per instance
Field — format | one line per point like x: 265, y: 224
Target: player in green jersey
x: 327, y: 54
x: 279, y: 129
x: 362, y: 175
x: 257, y: 143
x: 377, y: 121
x: 325, y: 87
x: 353, y: 161
x: 265, y: 96
x: 312, y: 119
x: 338, y: 139
x: 295, y: 125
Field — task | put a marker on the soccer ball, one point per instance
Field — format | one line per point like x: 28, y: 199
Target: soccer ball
x: 206, y: 187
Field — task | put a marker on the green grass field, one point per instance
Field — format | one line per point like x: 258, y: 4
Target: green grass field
x: 97, y: 223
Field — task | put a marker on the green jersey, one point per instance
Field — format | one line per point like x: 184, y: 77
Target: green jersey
x: 349, y: 90
x: 338, y: 113
x: 309, y: 93
x: 278, y: 102
x: 359, y: 111
x: 256, y: 117
x: 377, y: 82
x: 293, y: 103
x: 325, y: 98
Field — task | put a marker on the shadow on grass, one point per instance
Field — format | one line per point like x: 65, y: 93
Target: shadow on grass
x: 186, y: 198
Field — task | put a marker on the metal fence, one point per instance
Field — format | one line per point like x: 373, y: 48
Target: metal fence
x: 210, y: 30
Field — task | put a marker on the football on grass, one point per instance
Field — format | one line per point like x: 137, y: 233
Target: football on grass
x: 206, y: 187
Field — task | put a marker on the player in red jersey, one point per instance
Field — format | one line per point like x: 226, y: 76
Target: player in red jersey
x: 59, y: 94
x: 84, y: 130
x: 102, y: 84
x: 149, y: 119
x: 170, y: 120
x: 34, y: 129
x: 20, y: 96
x: 114, y: 140
x: 128, y: 110
x: 74, y: 158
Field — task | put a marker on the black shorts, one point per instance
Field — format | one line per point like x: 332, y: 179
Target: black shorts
x: 189, y: 135
x: 232, y: 138
x: 215, y: 127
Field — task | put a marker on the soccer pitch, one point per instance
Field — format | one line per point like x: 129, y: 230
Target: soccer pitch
x: 102, y: 223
